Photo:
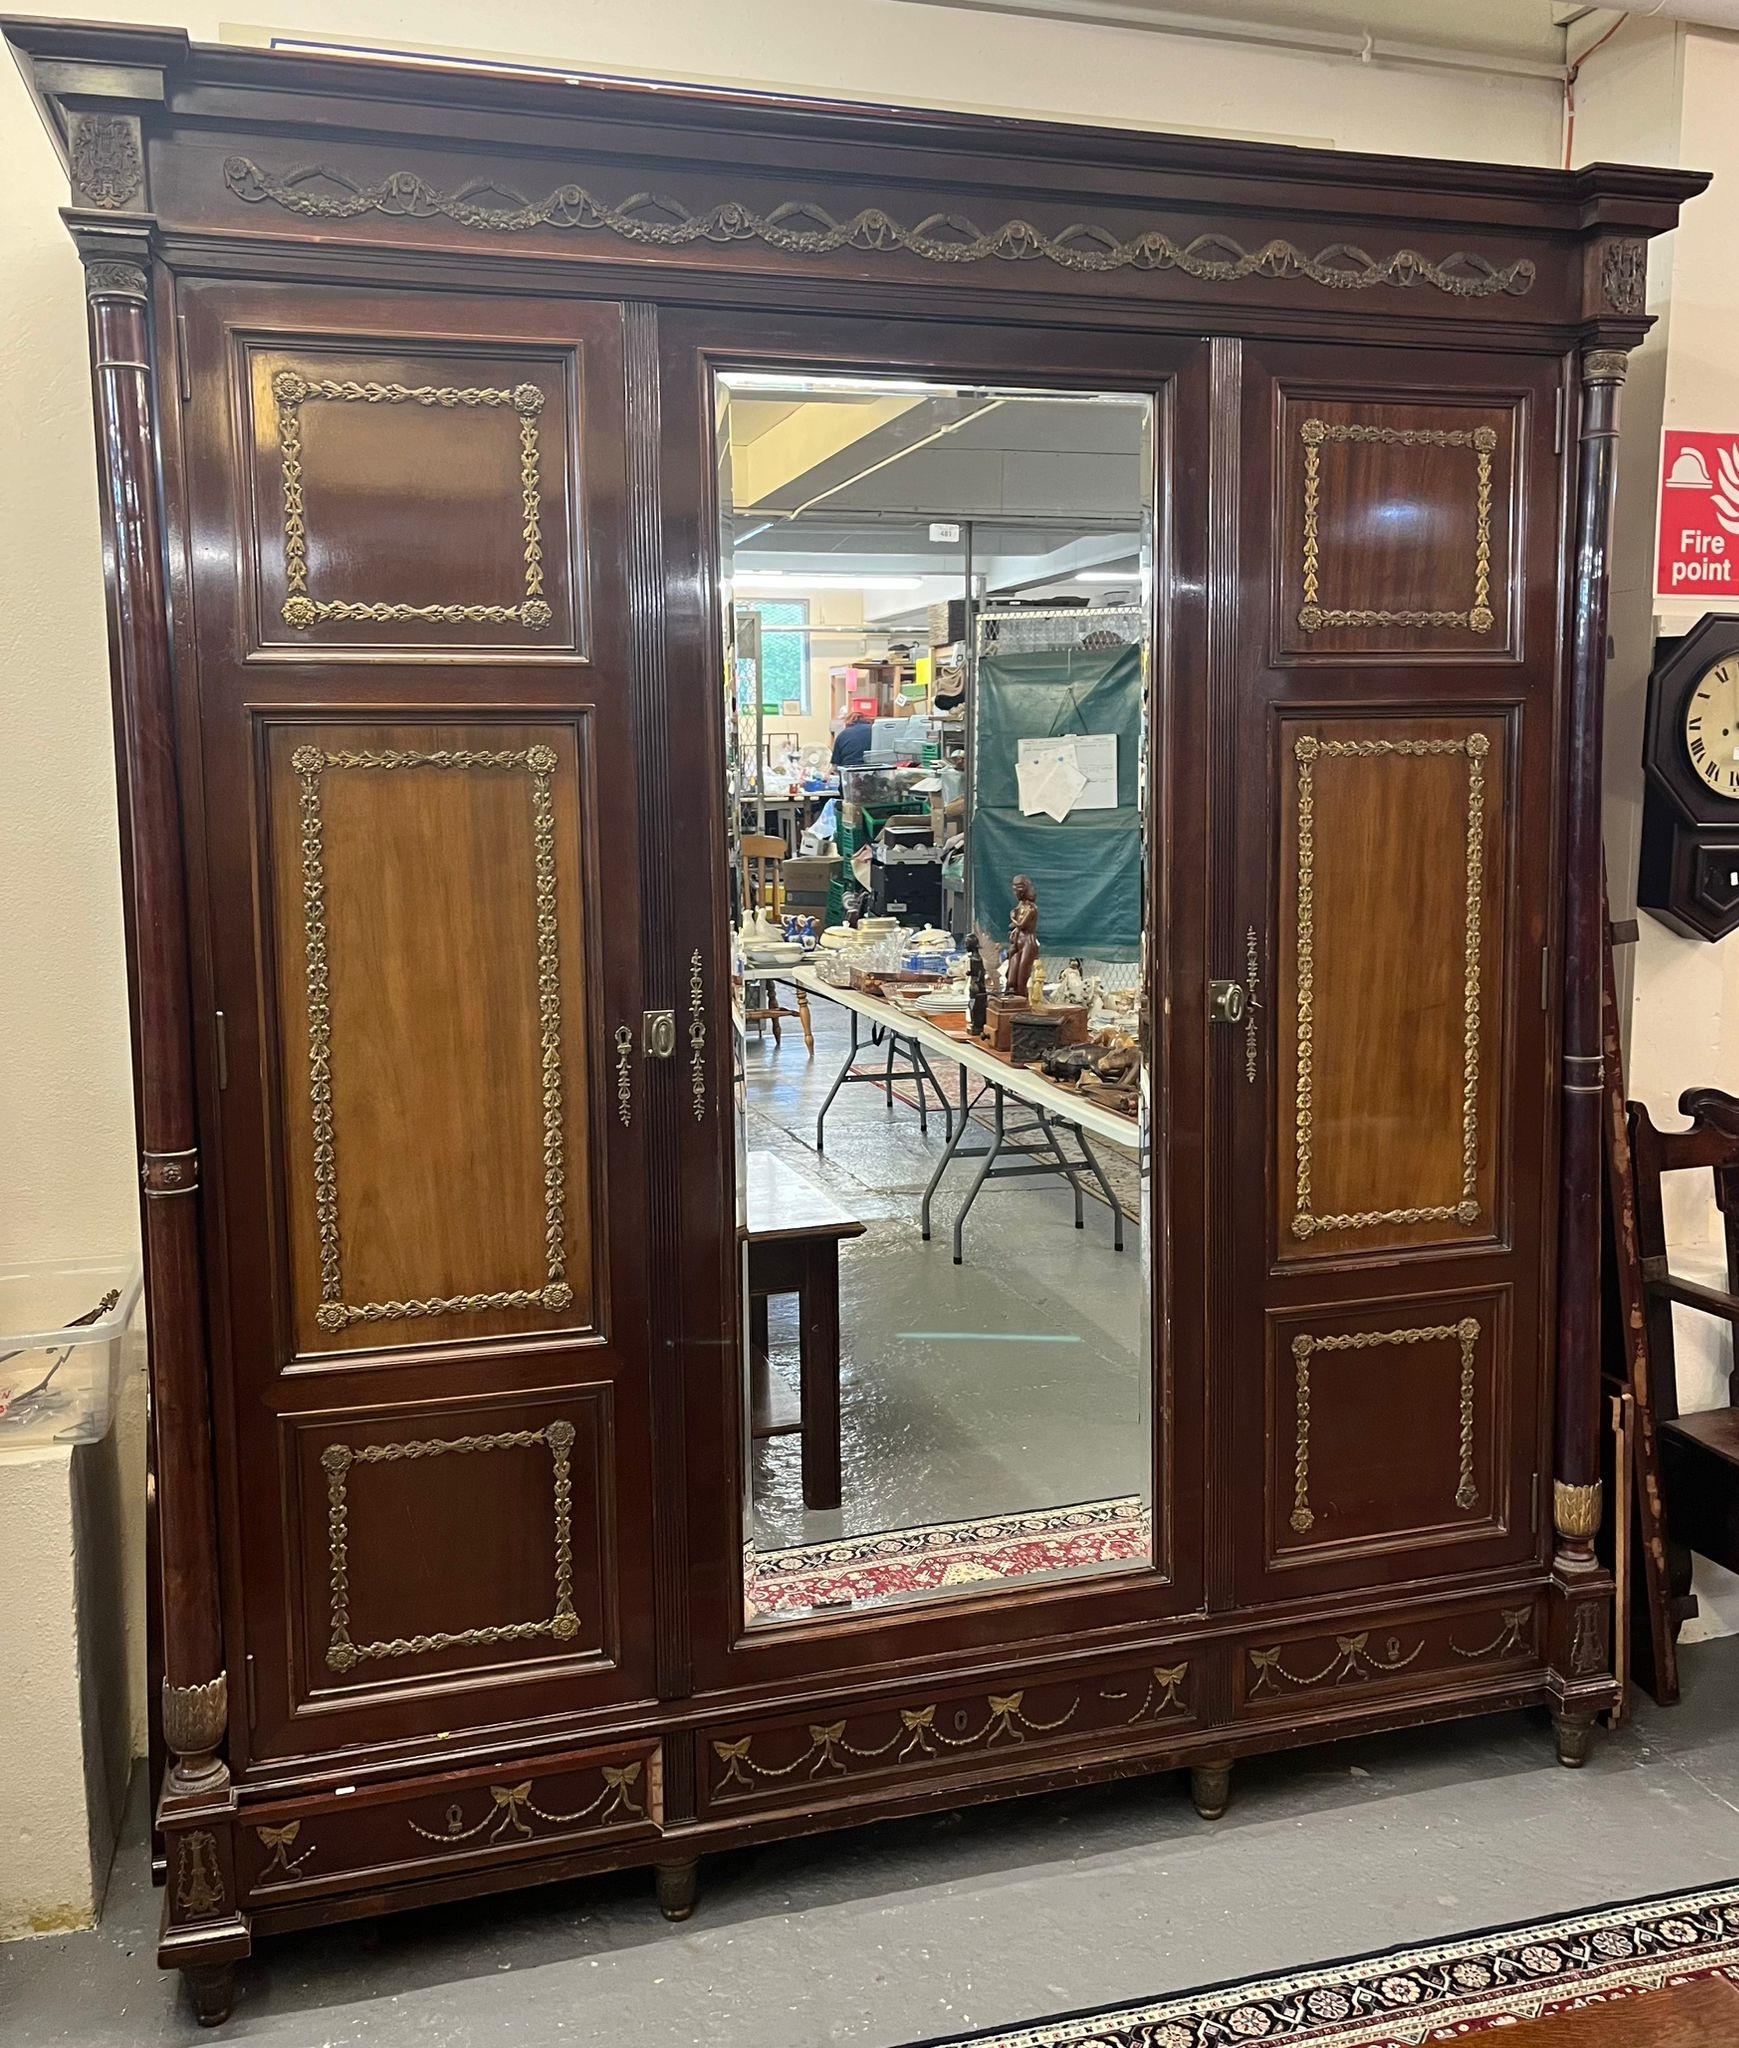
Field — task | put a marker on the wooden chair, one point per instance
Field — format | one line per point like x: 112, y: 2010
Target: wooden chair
x: 1699, y: 1454
x: 763, y: 858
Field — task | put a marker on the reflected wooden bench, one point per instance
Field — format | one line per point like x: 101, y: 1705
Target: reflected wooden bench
x: 794, y: 1233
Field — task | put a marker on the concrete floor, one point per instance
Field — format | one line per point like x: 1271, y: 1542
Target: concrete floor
x: 988, y: 1917
x: 1013, y: 1381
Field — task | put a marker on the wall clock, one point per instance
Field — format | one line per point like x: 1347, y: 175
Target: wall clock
x: 1689, y: 873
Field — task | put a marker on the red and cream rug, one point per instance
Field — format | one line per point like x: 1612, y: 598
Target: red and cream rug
x: 856, y: 1572
x: 1475, y: 1987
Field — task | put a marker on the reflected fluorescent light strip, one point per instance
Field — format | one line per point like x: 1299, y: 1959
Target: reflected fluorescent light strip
x: 985, y: 1337
x: 899, y: 454
x: 783, y: 381
x: 797, y: 579
x: 867, y: 387
x: 1106, y: 576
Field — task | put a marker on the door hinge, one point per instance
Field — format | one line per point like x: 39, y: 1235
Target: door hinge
x: 1558, y: 421
x: 222, y: 1035
x: 1545, y: 977
x: 252, y: 1693
x: 183, y: 371
x: 1534, y: 1505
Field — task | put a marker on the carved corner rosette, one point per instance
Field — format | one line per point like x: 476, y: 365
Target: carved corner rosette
x: 195, y: 1717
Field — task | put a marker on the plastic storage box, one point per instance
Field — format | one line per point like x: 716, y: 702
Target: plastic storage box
x: 62, y: 1329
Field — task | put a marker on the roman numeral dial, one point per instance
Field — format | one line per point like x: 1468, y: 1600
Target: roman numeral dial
x: 1712, y: 727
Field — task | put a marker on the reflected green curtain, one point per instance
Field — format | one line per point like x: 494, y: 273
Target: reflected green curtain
x: 1087, y: 868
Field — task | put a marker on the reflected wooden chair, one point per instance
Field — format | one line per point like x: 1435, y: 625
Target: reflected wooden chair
x: 1699, y: 1453
x: 763, y: 858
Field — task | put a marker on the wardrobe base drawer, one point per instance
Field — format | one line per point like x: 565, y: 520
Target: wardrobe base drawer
x: 409, y: 1830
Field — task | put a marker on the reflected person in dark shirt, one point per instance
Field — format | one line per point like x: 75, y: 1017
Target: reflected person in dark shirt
x: 853, y: 741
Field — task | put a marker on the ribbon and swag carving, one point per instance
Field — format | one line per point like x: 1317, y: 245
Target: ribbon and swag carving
x: 505, y: 1815
x: 1352, y: 1660
x: 918, y: 1734
x: 281, y: 1841
x: 804, y: 228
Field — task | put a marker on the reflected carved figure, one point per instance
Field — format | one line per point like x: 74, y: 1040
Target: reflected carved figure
x: 1023, y: 936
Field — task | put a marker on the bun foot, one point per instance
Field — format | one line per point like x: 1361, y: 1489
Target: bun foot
x: 677, y: 1885
x: 213, y: 1989
x: 1211, y: 1789
x: 1574, y: 1735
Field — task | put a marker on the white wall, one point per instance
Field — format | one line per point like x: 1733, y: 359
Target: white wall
x: 1667, y: 94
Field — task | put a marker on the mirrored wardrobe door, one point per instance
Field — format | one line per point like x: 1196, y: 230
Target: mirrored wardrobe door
x: 936, y: 637
x: 935, y: 984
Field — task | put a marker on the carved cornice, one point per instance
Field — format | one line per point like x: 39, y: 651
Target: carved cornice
x: 804, y: 228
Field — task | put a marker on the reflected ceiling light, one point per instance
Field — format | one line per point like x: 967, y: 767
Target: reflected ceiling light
x: 798, y: 579
x: 866, y: 387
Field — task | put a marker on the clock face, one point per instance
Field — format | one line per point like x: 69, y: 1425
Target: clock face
x: 1712, y: 727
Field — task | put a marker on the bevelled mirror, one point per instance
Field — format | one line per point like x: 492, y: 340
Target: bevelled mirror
x: 937, y: 607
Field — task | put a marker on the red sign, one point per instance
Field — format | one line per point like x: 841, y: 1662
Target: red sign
x: 1699, y: 519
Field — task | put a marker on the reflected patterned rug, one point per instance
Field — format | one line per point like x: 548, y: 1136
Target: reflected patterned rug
x: 1475, y: 1987
x: 866, y: 1571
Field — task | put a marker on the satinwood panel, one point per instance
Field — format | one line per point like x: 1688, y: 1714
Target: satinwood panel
x: 1391, y: 943
x: 429, y: 912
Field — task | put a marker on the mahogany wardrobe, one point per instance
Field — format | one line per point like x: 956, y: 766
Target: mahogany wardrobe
x: 407, y: 382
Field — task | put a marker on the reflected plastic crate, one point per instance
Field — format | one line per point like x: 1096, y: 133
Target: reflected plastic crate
x: 62, y: 1329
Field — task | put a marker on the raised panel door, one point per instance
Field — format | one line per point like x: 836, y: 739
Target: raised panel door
x: 421, y: 886
x: 1394, y: 902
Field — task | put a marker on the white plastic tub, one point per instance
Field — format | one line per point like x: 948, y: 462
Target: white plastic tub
x: 61, y: 1334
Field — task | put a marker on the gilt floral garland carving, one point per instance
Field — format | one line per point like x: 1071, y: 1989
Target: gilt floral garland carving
x: 1313, y: 614
x: 1465, y: 1333
x: 291, y: 392
x: 342, y: 1653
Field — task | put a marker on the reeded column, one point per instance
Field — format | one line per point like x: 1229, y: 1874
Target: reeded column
x: 1576, y: 1501
x: 195, y: 1690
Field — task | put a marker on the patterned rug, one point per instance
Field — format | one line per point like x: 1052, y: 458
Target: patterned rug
x: 869, y: 1571
x: 1474, y: 1987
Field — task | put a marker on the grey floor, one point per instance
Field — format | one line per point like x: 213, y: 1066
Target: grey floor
x: 1010, y: 1382
x: 988, y: 1917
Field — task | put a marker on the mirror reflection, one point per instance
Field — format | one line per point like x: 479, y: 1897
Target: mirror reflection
x: 937, y: 601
